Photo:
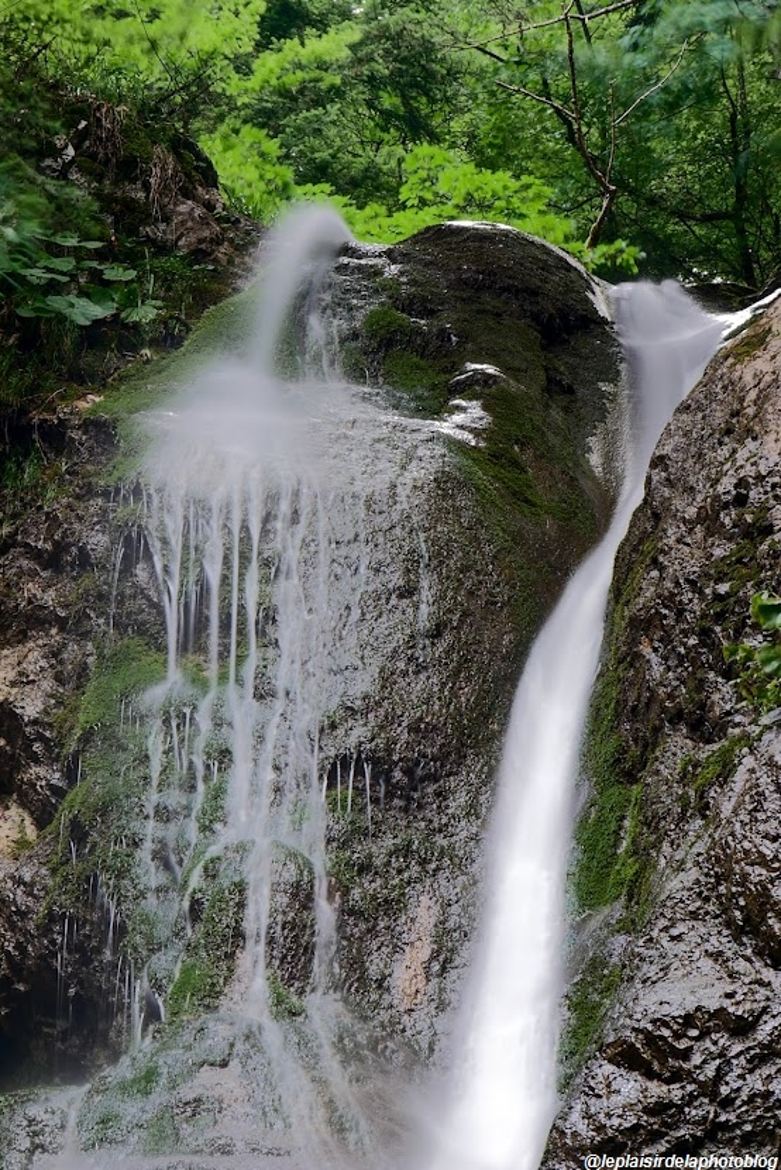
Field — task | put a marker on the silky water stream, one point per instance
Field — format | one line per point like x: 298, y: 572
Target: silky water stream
x: 502, y: 1097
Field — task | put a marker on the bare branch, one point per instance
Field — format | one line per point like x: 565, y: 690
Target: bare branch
x: 613, y: 125
x: 489, y: 53
x: 557, y: 107
x: 622, y: 4
x: 572, y: 66
x: 584, y: 22
x: 657, y: 85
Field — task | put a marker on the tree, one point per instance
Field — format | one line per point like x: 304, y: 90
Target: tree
x: 633, y: 84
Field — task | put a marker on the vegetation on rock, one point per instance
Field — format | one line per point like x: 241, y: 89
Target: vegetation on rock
x: 759, y: 666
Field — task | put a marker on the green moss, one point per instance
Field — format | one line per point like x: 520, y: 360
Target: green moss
x: 613, y: 860
x: 526, y: 455
x: 124, y: 671
x: 143, y: 1082
x: 717, y: 766
x: 424, y: 386
x: 197, y: 986
x: 738, y: 568
x: 212, y: 811
x: 283, y: 1003
x: 386, y: 326
x: 388, y: 286
x: 145, y: 933
x: 606, y: 863
x: 97, y: 830
x: 106, y: 1126
x: 226, y: 328
x: 588, y: 1002
x: 754, y: 338
x: 343, y: 868
x: 208, y: 961
x: 160, y: 1136
x: 529, y: 491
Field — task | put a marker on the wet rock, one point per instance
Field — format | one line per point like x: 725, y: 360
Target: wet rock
x: 689, y: 1057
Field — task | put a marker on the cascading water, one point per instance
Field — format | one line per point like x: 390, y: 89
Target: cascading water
x: 253, y: 522
x: 505, y: 1051
x: 256, y: 502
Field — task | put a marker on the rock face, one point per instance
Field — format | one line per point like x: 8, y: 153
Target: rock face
x: 685, y: 1056
x: 455, y: 321
x: 496, y: 347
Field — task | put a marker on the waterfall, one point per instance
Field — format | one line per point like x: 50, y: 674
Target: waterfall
x: 269, y: 506
x: 253, y: 525
x: 503, y: 1095
x: 266, y: 501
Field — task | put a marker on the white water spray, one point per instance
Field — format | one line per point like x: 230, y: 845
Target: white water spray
x: 504, y: 1097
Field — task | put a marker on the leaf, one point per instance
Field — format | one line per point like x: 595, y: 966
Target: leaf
x: 69, y: 240
x: 769, y: 661
x: 79, y: 310
x: 118, y: 272
x: 61, y: 263
x: 142, y: 314
x: 766, y: 609
x: 100, y: 295
x: 35, y: 308
x: 41, y: 275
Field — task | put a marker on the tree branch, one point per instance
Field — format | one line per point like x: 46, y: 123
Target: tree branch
x: 557, y: 107
x: 658, y: 85
x: 580, y: 14
x: 489, y: 53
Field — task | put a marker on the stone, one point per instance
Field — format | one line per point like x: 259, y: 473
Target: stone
x: 689, y: 1057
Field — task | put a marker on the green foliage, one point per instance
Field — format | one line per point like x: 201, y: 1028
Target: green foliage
x: 383, y: 109
x: 759, y: 666
x: 208, y: 960
x: 48, y: 273
x: 41, y: 268
x: 125, y: 671
x: 588, y: 1002
x: 284, y: 1005
x: 251, y: 172
x: 717, y: 766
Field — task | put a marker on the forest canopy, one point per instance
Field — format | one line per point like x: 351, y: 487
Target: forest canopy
x: 639, y: 134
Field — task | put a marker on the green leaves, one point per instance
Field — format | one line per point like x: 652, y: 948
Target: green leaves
x: 759, y: 666
x: 117, y: 272
x: 64, y: 284
x: 142, y: 313
x: 79, y: 310
x: 41, y: 275
x: 69, y: 240
x: 766, y: 609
